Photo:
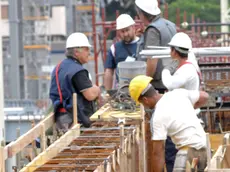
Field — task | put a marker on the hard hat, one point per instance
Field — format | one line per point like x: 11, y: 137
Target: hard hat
x: 77, y: 39
x: 123, y: 21
x: 138, y: 85
x: 149, y: 6
x: 181, y: 40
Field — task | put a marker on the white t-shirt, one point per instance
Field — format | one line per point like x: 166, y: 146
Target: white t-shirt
x: 175, y: 116
x: 185, y: 77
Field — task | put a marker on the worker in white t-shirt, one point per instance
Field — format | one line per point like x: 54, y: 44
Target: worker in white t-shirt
x: 174, y: 116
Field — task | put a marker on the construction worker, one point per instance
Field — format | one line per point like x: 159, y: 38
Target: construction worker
x: 123, y: 50
x: 158, y: 32
x: 184, y: 71
x: 173, y: 116
x: 69, y: 77
x: 185, y: 74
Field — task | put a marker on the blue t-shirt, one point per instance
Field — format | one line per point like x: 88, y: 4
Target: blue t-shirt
x: 118, y: 52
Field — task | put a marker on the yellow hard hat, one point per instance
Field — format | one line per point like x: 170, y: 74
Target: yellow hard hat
x: 137, y: 86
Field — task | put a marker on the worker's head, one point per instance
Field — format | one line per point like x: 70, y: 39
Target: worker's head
x: 180, y: 45
x: 78, y: 46
x: 147, y: 10
x: 141, y: 90
x: 125, y: 26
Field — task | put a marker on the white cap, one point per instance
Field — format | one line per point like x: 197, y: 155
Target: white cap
x: 77, y: 39
x: 149, y: 6
x: 123, y: 21
x: 181, y: 40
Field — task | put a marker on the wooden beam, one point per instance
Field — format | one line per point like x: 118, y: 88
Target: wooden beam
x: 53, y: 149
x: 75, y: 120
x: 2, y: 159
x: 16, y: 146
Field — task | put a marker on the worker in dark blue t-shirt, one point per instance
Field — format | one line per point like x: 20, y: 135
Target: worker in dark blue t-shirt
x: 123, y: 50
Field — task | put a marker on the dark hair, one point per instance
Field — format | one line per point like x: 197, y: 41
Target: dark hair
x: 148, y: 16
x: 182, y: 55
x: 149, y: 93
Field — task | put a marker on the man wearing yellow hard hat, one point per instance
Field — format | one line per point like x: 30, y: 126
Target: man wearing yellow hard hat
x: 173, y: 116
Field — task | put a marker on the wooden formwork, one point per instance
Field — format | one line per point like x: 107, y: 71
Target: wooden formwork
x: 220, y: 162
x: 104, y: 147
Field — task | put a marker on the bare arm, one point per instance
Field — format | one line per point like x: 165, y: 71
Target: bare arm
x: 202, y: 100
x: 197, y: 98
x: 158, y: 158
x: 91, y: 93
x: 108, y: 78
x: 151, y: 66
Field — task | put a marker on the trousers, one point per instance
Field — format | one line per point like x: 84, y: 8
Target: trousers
x: 185, y: 159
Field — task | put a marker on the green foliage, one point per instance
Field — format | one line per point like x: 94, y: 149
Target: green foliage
x: 206, y: 10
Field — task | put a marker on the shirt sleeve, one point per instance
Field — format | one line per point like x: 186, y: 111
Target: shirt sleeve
x: 177, y: 80
x: 81, y: 81
x: 158, y: 128
x: 152, y: 37
x: 110, y: 60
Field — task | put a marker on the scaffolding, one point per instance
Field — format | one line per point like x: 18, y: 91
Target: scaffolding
x: 37, y: 46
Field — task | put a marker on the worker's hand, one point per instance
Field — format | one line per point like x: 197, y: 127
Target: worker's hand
x: 172, y: 67
x: 140, y: 31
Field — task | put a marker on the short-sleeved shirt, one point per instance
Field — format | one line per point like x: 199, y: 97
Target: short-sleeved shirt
x: 114, y: 54
x: 118, y: 52
x: 175, y: 116
x: 81, y: 82
x: 85, y: 81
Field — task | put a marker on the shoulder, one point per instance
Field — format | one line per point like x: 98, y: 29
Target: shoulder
x: 187, y: 69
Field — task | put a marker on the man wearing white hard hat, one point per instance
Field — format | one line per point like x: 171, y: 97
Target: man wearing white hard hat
x: 123, y: 50
x: 158, y: 32
x: 69, y: 77
x: 187, y: 73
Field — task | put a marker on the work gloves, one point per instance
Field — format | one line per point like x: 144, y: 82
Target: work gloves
x: 172, y: 66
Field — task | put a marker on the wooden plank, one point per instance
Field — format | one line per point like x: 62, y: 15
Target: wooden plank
x: 16, y: 146
x: 216, y: 140
x: 107, y: 113
x: 53, y: 149
x: 75, y: 120
x: 213, y: 164
x: 2, y: 159
x: 143, y: 143
x: 226, y: 160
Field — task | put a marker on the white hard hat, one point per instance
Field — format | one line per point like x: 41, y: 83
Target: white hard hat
x: 77, y: 39
x: 149, y: 6
x: 123, y: 21
x: 181, y: 40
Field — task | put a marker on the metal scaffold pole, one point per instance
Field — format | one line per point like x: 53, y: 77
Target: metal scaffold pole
x: 2, y: 126
x: 164, y: 52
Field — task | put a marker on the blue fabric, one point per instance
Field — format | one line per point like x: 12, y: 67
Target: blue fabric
x: 121, y: 53
x: 170, y: 154
x: 68, y: 68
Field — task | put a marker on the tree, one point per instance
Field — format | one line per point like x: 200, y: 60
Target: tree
x: 206, y: 10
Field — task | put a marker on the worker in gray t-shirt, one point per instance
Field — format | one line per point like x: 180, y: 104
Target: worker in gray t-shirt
x: 158, y: 32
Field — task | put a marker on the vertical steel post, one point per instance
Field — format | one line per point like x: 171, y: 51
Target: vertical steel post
x: 95, y: 41
x: 16, y: 47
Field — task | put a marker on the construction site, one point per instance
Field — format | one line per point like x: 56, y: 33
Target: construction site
x: 33, y: 40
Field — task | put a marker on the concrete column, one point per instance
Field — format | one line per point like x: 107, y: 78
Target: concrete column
x: 2, y: 121
x: 70, y: 17
x: 16, y: 46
